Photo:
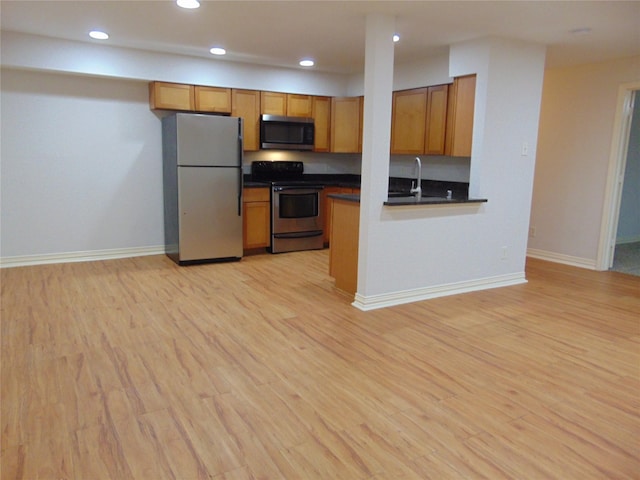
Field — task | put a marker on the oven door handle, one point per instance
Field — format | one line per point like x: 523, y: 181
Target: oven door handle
x: 301, y: 188
x: 312, y: 233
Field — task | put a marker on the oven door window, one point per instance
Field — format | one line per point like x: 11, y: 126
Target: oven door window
x: 298, y: 205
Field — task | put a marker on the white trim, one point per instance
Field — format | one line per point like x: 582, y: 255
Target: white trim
x: 88, y: 256
x: 408, y: 296
x: 561, y: 258
x: 615, y: 175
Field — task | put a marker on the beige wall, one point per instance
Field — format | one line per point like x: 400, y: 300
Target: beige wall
x: 574, y: 143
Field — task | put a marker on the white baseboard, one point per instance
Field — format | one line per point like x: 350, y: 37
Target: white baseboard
x: 561, y: 258
x: 623, y: 240
x: 408, y: 296
x: 88, y: 256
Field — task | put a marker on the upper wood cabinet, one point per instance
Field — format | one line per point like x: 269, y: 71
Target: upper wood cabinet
x: 171, y: 96
x: 212, y: 99
x: 346, y: 124
x: 246, y: 105
x: 299, y: 105
x: 286, y: 104
x: 436, y: 123
x: 418, y: 122
x: 409, y: 114
x: 436, y: 120
x: 178, y: 96
x: 321, y: 114
x: 273, y: 103
x: 460, y: 116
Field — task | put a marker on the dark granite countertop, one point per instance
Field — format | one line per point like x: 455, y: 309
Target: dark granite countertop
x: 404, y: 201
x: 434, y: 192
x: 407, y: 201
x: 250, y: 184
x: 347, y: 197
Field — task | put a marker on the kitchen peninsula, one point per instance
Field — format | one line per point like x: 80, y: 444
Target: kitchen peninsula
x: 345, y: 229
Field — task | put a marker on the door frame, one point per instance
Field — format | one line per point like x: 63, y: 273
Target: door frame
x: 615, y: 174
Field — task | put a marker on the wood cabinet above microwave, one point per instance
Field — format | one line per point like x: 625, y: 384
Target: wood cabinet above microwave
x: 286, y: 104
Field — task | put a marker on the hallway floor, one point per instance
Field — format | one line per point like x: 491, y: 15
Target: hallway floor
x: 626, y: 258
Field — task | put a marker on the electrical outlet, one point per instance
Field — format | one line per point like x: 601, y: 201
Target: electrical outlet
x: 532, y: 232
x: 525, y: 149
x: 505, y: 251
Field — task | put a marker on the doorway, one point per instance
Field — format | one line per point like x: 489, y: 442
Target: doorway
x: 622, y: 140
x: 626, y: 257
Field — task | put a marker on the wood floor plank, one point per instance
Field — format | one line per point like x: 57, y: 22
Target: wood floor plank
x: 260, y: 369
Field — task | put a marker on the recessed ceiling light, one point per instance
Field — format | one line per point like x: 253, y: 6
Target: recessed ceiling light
x: 218, y: 51
x: 98, y: 35
x: 396, y: 37
x: 188, y: 3
x: 307, y: 62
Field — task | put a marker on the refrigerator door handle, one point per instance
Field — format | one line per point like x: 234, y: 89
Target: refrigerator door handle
x: 240, y: 192
x: 240, y: 160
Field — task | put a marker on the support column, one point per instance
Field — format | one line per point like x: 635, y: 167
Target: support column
x: 376, y: 140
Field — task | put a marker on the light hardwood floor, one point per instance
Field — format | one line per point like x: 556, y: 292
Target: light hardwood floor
x: 137, y: 368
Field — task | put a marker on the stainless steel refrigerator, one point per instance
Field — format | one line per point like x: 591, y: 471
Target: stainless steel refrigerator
x: 202, y: 174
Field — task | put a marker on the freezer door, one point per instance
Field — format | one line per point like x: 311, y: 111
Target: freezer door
x: 210, y: 223
x: 208, y: 140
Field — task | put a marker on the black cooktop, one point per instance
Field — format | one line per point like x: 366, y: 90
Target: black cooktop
x: 281, y: 171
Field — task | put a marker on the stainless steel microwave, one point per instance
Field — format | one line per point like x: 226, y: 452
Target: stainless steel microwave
x: 286, y: 133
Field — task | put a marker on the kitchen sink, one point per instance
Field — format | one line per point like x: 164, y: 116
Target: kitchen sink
x: 400, y: 194
x: 395, y: 197
x: 410, y: 195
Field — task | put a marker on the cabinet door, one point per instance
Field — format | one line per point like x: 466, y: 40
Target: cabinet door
x: 256, y: 208
x: 343, y: 253
x: 460, y: 116
x: 273, y: 103
x: 409, y: 114
x: 299, y: 105
x: 436, y: 120
x: 321, y: 114
x: 246, y: 105
x: 171, y: 96
x: 213, y: 99
x: 346, y: 113
x: 361, y: 122
x: 326, y: 205
x: 256, y: 229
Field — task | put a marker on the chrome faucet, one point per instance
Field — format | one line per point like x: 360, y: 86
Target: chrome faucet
x: 417, y: 188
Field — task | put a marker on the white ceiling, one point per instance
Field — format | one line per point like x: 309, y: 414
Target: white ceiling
x: 332, y: 32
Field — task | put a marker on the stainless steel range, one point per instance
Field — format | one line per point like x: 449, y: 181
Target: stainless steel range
x: 296, y: 206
